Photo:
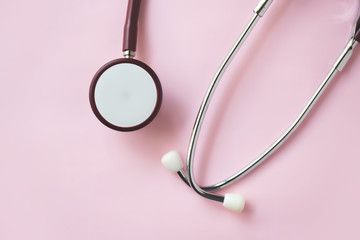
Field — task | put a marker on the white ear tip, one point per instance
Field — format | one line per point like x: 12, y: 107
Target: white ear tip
x: 234, y: 202
x: 172, y: 161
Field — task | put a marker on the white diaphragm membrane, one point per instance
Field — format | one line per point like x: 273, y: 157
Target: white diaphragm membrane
x: 125, y: 95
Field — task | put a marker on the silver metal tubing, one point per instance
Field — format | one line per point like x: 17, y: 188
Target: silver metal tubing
x: 189, y: 179
x: 338, y: 66
x: 262, y: 7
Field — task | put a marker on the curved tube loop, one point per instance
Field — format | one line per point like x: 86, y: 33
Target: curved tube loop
x: 259, y: 11
x: 204, y: 191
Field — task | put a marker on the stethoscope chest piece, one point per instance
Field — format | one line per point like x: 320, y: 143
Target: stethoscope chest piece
x: 125, y: 94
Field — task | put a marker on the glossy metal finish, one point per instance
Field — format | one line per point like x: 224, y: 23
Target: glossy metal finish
x: 129, y: 54
x: 189, y: 179
x: 204, y: 191
x: 262, y: 7
x: 338, y: 66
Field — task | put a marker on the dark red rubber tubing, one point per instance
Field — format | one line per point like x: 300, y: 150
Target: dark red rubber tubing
x: 131, y: 25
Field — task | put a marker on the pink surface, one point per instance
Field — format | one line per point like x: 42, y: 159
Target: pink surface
x: 63, y: 175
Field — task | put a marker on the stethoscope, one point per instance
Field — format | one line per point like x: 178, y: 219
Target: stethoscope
x: 126, y: 94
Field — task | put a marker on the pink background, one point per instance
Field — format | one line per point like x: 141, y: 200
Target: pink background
x: 63, y: 175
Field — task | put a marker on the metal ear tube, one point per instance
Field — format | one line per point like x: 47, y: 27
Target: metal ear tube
x: 236, y: 202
